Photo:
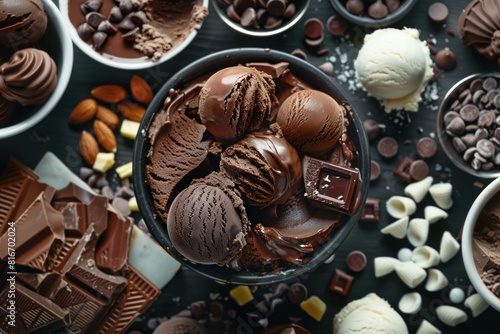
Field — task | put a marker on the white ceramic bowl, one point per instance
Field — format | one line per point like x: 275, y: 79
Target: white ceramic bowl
x: 57, y: 43
x: 89, y: 51
x: 467, y: 233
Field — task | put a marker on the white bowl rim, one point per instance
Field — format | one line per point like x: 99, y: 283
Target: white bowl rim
x: 467, y: 234
x: 87, y: 49
x: 63, y: 79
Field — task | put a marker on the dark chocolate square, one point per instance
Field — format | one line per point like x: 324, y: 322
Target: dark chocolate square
x: 341, y: 282
x: 371, y: 211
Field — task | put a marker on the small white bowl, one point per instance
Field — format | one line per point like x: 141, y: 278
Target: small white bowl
x: 467, y: 235
x: 89, y: 51
x: 60, y: 48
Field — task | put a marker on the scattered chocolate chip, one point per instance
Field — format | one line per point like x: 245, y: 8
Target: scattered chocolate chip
x: 299, y: 53
x: 131, y: 35
x: 297, y: 293
x: 438, y: 12
x: 115, y: 15
x: 94, y: 19
x: 139, y: 18
x: 356, y: 261
x: 327, y: 68
x: 314, y: 42
x: 313, y: 28
x: 341, y: 283
x: 127, y: 23
x: 371, y: 211
x: 323, y: 51
x: 446, y: 59
x: 85, y: 31
x: 402, y: 169
x: 419, y: 170
x: 336, y: 25
x: 426, y: 147
x: 388, y: 147
x: 372, y: 128
x: 98, y: 39
x: 121, y: 205
x: 451, y: 31
x: 374, y: 170
x: 107, y: 27
x: 378, y: 10
x: 126, y: 6
x: 356, y: 7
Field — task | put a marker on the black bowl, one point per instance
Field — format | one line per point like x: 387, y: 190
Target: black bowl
x: 370, y: 22
x: 318, y: 80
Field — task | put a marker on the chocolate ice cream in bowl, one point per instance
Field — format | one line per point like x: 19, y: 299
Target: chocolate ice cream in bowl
x: 480, y: 244
x: 133, y: 34
x: 251, y: 166
x: 36, y: 59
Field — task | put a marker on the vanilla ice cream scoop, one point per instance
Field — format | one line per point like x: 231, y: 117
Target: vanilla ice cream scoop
x: 370, y: 314
x: 394, y: 66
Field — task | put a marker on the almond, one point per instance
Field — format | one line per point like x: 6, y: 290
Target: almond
x: 109, y: 93
x: 105, y: 136
x: 141, y: 90
x: 131, y: 111
x: 88, y: 147
x: 109, y: 117
x: 83, y: 111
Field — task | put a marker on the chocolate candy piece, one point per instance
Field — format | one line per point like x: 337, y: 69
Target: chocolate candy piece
x: 126, y: 6
x: 388, y: 147
x: 331, y: 186
x: 426, y: 147
x: 419, y: 170
x: 336, y: 25
x: 374, y: 170
x: 32, y: 313
x: 392, y: 5
x: 94, y: 19
x: 372, y: 128
x: 438, y: 12
x: 276, y: 7
x: 378, y: 10
x: 297, y: 293
x: 446, y: 59
x: 356, y: 260
x: 469, y: 113
x: 355, y: 7
x: 85, y: 31
x: 249, y: 17
x: 313, y: 28
x: 402, y: 170
x: 98, y: 40
x: 371, y: 211
x: 300, y: 54
x: 341, y: 282
x: 115, y: 15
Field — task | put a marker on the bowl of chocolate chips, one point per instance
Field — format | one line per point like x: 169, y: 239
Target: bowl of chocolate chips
x: 260, y: 18
x: 373, y: 13
x: 133, y: 34
x: 468, y: 124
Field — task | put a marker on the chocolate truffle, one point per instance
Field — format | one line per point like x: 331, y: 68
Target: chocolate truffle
x: 311, y: 121
x: 22, y: 22
x: 236, y: 100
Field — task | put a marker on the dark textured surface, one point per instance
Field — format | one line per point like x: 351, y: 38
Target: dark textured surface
x: 54, y: 134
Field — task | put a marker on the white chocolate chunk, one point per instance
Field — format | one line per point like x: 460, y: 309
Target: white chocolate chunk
x: 427, y: 328
x: 433, y: 214
x: 451, y: 315
x: 400, y: 206
x: 397, y: 229
x: 436, y: 280
x: 129, y: 129
x: 449, y: 247
x: 441, y: 194
x: 103, y: 162
x: 410, y: 273
x: 418, y: 190
x: 418, y: 231
x: 425, y: 256
x: 132, y: 204
x: 476, y: 304
x: 384, y: 265
x: 125, y: 170
x: 410, y: 303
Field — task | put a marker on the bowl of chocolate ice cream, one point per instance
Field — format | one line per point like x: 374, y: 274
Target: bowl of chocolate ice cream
x: 373, y: 14
x: 261, y: 18
x: 133, y: 34
x: 480, y: 244
x: 468, y: 127
x: 36, y: 60
x: 252, y: 167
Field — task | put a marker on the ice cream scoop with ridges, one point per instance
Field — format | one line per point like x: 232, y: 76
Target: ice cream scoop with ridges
x: 266, y: 168
x: 22, y: 23
x: 237, y: 100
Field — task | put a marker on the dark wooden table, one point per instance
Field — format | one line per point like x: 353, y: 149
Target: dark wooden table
x: 54, y: 134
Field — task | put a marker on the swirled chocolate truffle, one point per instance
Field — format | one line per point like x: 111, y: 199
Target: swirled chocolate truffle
x: 265, y: 167
x: 28, y: 77
x: 311, y: 121
x: 237, y: 100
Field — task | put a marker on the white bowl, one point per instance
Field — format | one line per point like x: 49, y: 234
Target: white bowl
x: 60, y: 48
x: 467, y: 234
x: 89, y: 51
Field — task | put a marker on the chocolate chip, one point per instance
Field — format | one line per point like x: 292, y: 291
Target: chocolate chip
x: 356, y: 7
x: 489, y: 84
x: 469, y: 153
x: 314, y: 42
x: 478, y: 94
x: 485, y: 148
x: 372, y: 128
x: 374, y: 170
x: 290, y: 11
x: 107, y: 27
x: 458, y: 144
x: 336, y: 25
x: 85, y: 31
x: 402, y: 169
x: 323, y: 51
x: 388, y: 147
x: 438, y: 12
x: 92, y: 5
x: 273, y: 23
x: 115, y: 15
x: 392, y: 5
x: 378, y: 10
x: 299, y: 53
x: 126, y: 6
x: 127, y: 23
x: 327, y: 68
x: 276, y: 7
x: 356, y: 261
x: 313, y: 28
x: 98, y: 39
x: 419, y: 170
x: 297, y: 293
x: 486, y: 118
x: 449, y: 116
x: 476, y: 85
x: 456, y: 126
x: 232, y: 13
x: 121, y: 205
x: 139, y: 18
x: 481, y: 133
x: 94, y: 19
x: 249, y: 17
x: 469, y: 113
x: 446, y: 59
x: 469, y: 140
x: 130, y: 36
x: 426, y: 147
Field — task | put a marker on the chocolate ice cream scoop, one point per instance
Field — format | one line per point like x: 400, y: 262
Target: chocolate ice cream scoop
x: 266, y: 168
x: 479, y: 28
x: 28, y: 77
x: 237, y: 100
x: 22, y: 22
x: 311, y: 121
x: 207, y: 223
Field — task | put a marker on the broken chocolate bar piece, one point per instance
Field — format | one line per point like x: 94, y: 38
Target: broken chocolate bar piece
x: 32, y: 313
x: 329, y: 186
x: 39, y: 236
